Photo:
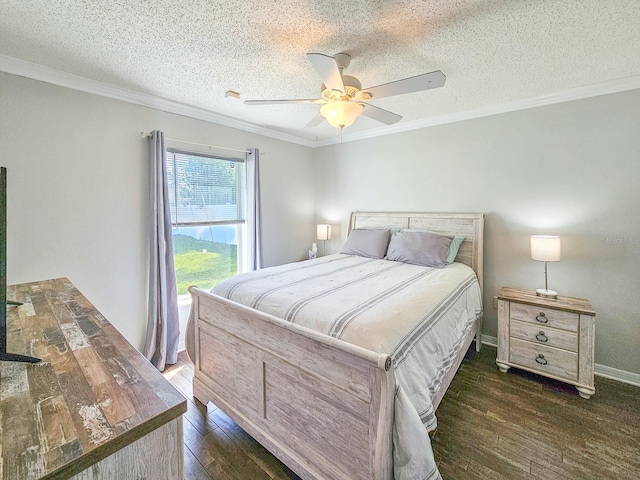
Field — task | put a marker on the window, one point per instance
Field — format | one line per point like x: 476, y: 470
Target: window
x: 208, y: 213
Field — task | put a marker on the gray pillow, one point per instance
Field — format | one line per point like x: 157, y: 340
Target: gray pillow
x: 452, y: 251
x: 364, y: 242
x: 419, y: 248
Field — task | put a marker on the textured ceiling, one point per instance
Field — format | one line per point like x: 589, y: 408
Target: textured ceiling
x: 192, y: 51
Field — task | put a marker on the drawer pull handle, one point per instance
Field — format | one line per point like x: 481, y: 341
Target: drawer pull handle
x: 541, y: 360
x: 541, y: 337
x: 542, y: 318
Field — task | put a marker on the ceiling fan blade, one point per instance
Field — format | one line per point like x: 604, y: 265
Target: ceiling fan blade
x: 328, y: 70
x: 315, y: 121
x: 418, y: 83
x: 380, y: 114
x: 276, y: 102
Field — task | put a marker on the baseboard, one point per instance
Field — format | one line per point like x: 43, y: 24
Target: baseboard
x: 600, y: 370
x: 489, y: 340
x: 616, y: 374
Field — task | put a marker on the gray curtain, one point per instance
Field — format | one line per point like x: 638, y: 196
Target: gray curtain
x: 254, y: 210
x: 163, y: 328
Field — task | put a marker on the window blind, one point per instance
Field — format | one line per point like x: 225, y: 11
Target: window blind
x: 205, y: 190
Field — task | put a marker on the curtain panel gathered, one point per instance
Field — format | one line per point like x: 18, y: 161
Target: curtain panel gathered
x: 254, y: 211
x: 163, y: 328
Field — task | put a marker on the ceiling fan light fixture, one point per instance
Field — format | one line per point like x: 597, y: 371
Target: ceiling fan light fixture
x: 343, y: 97
x: 341, y: 113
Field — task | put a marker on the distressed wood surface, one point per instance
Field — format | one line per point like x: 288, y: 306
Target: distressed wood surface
x: 567, y: 323
x: 551, y: 337
x: 92, y: 395
x: 544, y: 316
x: 559, y: 364
x: 133, y: 460
x: 252, y: 365
x: 567, y: 304
x: 585, y: 385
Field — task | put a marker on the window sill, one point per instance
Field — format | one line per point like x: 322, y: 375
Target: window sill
x: 184, y: 300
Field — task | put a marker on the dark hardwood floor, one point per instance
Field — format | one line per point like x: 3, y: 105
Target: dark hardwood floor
x: 490, y: 426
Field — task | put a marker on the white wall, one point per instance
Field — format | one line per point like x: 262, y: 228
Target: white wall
x: 571, y: 169
x: 78, y: 194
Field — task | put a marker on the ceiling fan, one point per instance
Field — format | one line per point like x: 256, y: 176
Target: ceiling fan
x: 343, y: 98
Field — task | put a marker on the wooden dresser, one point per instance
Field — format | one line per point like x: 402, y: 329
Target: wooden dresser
x: 94, y: 408
x: 551, y: 337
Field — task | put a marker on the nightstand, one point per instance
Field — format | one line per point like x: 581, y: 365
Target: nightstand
x: 550, y: 337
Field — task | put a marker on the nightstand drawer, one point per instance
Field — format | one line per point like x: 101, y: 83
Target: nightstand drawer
x: 546, y: 360
x: 544, y: 316
x: 543, y: 335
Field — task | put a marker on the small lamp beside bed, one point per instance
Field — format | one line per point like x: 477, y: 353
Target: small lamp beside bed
x: 545, y: 248
x: 323, y: 232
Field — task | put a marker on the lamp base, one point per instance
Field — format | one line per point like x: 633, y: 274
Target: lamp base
x: 543, y: 292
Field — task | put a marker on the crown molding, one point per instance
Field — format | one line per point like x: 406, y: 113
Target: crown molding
x: 57, y: 77
x: 578, y: 93
x: 63, y: 79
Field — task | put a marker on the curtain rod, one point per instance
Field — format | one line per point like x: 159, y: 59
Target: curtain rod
x: 148, y: 135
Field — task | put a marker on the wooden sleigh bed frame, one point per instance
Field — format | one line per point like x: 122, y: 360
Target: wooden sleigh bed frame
x: 324, y: 407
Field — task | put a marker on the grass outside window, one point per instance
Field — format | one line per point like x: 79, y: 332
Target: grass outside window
x: 202, y: 262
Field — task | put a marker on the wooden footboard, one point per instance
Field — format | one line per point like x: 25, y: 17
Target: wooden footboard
x: 322, y: 406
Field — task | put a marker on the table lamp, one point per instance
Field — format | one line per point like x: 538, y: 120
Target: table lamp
x: 323, y: 232
x: 545, y: 248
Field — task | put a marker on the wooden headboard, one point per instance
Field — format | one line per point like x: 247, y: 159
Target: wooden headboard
x: 471, y: 225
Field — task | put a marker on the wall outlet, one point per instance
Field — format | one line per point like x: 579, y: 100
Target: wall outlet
x: 495, y: 302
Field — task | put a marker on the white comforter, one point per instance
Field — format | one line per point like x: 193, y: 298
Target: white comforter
x: 418, y: 315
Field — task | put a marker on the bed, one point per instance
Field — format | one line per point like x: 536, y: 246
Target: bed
x: 296, y: 366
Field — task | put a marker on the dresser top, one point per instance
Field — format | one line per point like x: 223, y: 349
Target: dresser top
x: 529, y: 297
x: 92, y: 394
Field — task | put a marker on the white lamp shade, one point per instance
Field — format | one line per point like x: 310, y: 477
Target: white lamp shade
x: 545, y: 248
x: 323, y: 231
x: 341, y: 113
